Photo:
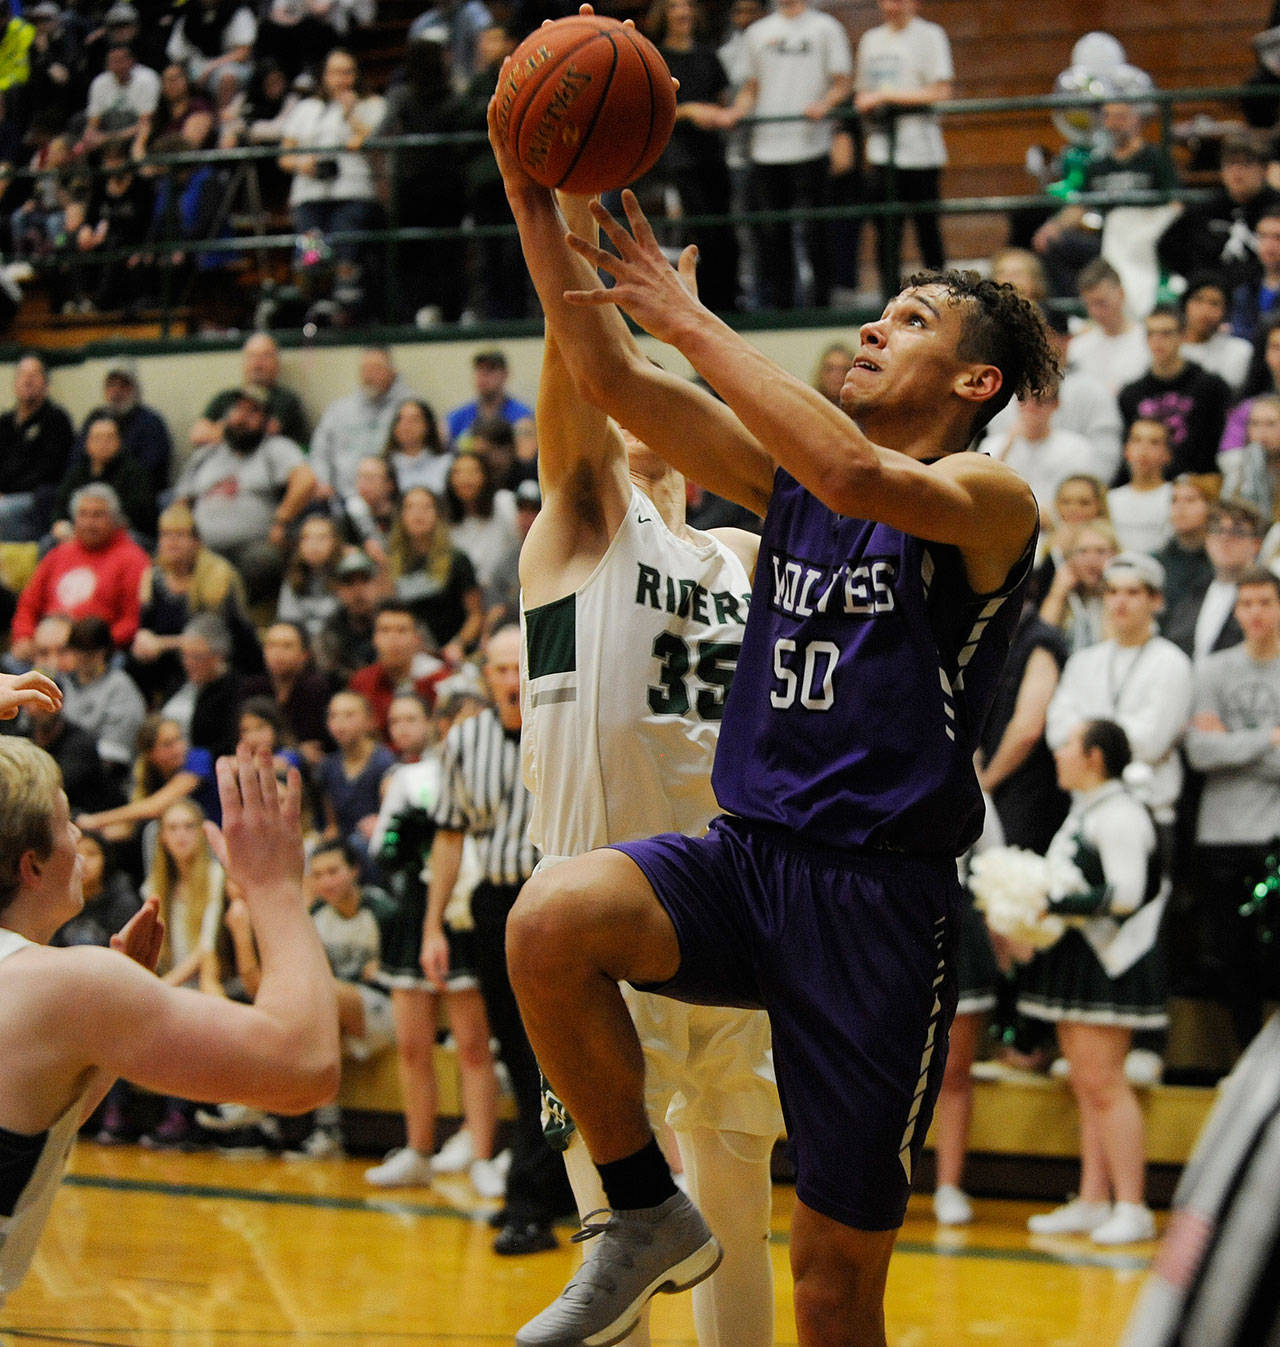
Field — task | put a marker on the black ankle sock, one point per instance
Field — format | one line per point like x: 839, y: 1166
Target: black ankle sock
x: 638, y: 1180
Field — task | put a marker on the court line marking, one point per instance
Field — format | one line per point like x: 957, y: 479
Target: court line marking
x: 1120, y: 1262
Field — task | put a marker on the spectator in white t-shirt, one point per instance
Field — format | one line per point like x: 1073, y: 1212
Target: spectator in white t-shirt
x: 1043, y: 455
x: 246, y: 491
x: 1140, y: 510
x: 333, y: 187
x: 801, y: 70
x: 122, y: 100
x: 1113, y: 348
x: 905, y: 62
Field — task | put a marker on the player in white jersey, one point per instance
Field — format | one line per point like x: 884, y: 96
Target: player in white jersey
x: 632, y: 623
x: 75, y: 1019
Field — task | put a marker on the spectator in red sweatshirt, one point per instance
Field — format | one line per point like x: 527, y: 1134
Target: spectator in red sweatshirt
x: 95, y: 573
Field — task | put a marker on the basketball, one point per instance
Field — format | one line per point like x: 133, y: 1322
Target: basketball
x: 587, y: 104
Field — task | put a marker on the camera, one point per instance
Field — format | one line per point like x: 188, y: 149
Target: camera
x: 326, y: 170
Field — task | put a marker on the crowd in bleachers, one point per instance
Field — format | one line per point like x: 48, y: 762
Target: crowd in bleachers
x: 776, y: 111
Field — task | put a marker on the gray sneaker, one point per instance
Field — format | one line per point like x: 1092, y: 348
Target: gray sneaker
x: 636, y: 1255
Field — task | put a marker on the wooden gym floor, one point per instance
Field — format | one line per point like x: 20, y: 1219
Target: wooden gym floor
x: 158, y: 1250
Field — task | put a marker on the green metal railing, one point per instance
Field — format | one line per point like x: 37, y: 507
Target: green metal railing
x: 241, y: 164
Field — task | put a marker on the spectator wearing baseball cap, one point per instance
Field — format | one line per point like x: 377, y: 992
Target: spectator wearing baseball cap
x: 144, y: 433
x: 345, y: 643
x: 246, y: 491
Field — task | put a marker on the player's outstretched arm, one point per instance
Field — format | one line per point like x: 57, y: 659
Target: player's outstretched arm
x: 582, y: 462
x: 690, y: 429
x: 979, y: 506
x: 280, y: 1053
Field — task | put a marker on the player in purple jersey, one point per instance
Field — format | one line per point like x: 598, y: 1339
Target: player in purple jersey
x: 888, y: 582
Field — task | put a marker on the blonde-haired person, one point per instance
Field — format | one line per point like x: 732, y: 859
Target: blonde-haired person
x: 435, y: 578
x: 1078, y: 499
x: 1074, y: 601
x: 184, y: 579
x: 184, y: 875
x: 189, y: 885
x: 77, y: 1019
x: 1022, y: 269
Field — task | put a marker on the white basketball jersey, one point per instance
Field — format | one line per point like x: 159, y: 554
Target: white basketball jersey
x: 20, y: 1231
x: 624, y: 686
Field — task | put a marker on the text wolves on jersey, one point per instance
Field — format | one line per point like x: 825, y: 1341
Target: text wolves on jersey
x: 801, y: 590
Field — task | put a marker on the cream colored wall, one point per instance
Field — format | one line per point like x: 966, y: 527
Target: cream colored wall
x: 180, y: 385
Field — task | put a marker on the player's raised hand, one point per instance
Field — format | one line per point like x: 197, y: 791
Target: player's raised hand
x: 142, y: 936
x: 645, y: 284
x: 260, y: 841
x: 29, y: 689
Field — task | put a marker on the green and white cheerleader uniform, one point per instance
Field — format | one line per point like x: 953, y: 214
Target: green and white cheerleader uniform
x: 1107, y: 968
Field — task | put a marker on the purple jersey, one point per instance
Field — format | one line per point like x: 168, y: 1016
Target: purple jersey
x: 867, y: 668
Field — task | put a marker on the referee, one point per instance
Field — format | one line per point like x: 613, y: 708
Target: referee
x: 483, y: 795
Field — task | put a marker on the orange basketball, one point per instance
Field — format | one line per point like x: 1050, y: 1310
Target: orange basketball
x: 587, y: 104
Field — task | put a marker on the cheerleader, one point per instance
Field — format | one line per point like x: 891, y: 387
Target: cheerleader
x: 1102, y: 980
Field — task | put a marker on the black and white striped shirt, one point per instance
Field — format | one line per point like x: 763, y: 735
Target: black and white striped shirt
x: 483, y: 794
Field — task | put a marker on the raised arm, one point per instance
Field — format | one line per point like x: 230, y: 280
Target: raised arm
x: 966, y: 500
x: 676, y: 419
x: 582, y: 470
x: 102, y: 1015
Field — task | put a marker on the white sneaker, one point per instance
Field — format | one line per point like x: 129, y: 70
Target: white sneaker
x: 489, y: 1177
x: 405, y: 1168
x: 1130, y: 1223
x: 951, y: 1206
x: 455, y: 1156
x: 1076, y: 1218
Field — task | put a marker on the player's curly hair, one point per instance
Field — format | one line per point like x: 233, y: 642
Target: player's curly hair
x: 1001, y: 328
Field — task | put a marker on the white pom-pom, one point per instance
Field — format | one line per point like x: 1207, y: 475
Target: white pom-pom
x: 1012, y: 888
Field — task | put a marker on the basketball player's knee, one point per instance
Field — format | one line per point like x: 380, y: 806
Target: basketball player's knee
x: 542, y: 930
x: 821, y: 1304
x: 830, y: 1310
